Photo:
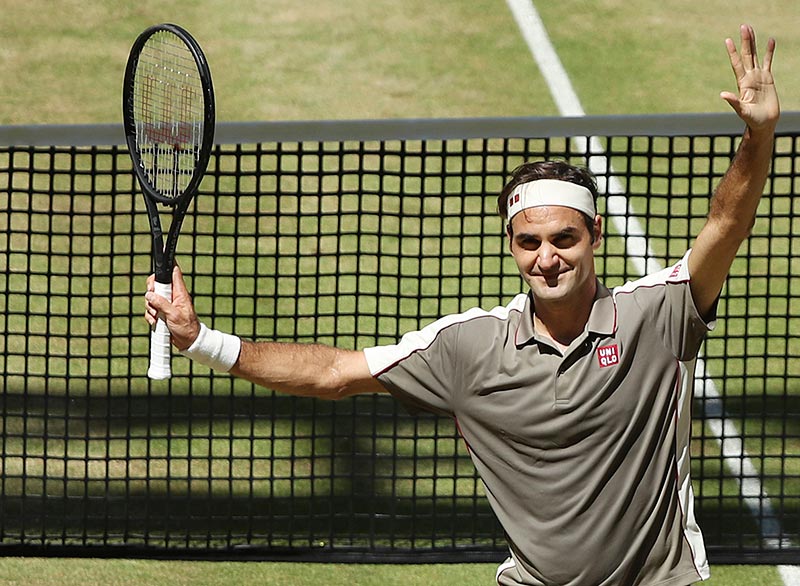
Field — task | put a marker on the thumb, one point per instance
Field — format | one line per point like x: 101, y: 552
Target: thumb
x: 733, y: 100
x: 179, y: 289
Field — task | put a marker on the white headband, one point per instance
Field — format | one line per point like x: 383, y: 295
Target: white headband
x: 550, y: 192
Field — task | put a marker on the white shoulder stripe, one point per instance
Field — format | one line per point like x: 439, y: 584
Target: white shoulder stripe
x: 677, y: 273
x: 381, y: 358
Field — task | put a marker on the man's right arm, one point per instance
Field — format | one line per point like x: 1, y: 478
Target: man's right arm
x: 309, y: 370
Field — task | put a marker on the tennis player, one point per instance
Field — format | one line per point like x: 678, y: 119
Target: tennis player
x: 574, y: 399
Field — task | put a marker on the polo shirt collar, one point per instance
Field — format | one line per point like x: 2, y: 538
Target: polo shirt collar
x: 602, y: 318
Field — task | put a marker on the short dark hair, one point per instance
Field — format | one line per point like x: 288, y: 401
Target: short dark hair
x: 548, y: 170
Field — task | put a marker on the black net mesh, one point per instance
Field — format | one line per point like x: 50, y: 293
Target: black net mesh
x: 350, y: 242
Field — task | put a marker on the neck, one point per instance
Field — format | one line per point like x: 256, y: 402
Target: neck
x: 564, y: 320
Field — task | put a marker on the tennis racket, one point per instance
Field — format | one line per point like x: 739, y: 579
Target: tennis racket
x: 168, y: 112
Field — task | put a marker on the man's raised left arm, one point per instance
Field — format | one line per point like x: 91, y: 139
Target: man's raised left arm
x: 735, y: 201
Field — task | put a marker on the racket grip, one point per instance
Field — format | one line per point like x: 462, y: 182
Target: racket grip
x: 160, y: 351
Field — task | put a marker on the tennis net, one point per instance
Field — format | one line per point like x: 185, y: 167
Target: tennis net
x: 350, y: 233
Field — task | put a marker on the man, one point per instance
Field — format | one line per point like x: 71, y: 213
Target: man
x: 574, y: 400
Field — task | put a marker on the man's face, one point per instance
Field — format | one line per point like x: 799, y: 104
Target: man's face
x: 554, y: 252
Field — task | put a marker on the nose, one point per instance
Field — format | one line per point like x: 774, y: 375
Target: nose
x: 548, y: 259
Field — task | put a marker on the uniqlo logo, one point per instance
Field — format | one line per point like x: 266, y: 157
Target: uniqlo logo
x: 608, y: 355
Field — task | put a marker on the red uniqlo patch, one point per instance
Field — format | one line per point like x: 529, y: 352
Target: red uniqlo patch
x: 608, y: 355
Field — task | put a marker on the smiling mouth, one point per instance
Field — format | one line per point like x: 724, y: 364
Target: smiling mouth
x: 550, y: 280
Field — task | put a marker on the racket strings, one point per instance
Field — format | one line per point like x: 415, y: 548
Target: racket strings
x: 169, y: 112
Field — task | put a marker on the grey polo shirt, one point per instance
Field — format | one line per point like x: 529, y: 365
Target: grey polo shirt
x: 584, y: 454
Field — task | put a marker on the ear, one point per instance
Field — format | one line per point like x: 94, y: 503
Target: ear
x: 597, y: 232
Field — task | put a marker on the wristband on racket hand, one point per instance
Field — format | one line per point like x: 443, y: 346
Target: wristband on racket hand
x: 215, y: 349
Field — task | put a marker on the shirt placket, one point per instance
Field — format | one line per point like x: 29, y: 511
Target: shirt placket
x: 567, y: 376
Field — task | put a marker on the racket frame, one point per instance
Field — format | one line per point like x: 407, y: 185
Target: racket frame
x: 163, y: 252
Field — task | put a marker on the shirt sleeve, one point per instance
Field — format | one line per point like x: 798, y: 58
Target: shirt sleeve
x: 422, y: 370
x: 419, y: 370
x: 673, y: 311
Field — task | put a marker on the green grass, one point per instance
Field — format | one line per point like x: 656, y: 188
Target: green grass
x: 648, y: 56
x: 78, y: 572
x: 282, y: 60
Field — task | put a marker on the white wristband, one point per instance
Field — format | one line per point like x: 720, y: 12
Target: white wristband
x: 215, y: 349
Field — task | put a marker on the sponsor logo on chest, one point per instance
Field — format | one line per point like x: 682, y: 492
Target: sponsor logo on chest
x: 608, y: 355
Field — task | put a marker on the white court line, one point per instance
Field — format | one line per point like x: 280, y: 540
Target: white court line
x: 641, y: 256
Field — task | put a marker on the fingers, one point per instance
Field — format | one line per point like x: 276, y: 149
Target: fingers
x: 154, y: 303
x: 736, y: 60
x: 770, y: 52
x: 178, y: 313
x: 150, y: 312
x: 748, y: 58
x: 156, y: 306
x: 744, y: 61
x: 748, y: 51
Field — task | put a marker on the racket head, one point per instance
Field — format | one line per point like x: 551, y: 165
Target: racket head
x: 168, y: 112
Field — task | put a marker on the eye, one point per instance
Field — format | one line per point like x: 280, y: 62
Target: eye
x: 564, y: 241
x: 528, y: 242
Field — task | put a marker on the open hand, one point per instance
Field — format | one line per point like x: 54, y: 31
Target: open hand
x: 757, y: 103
